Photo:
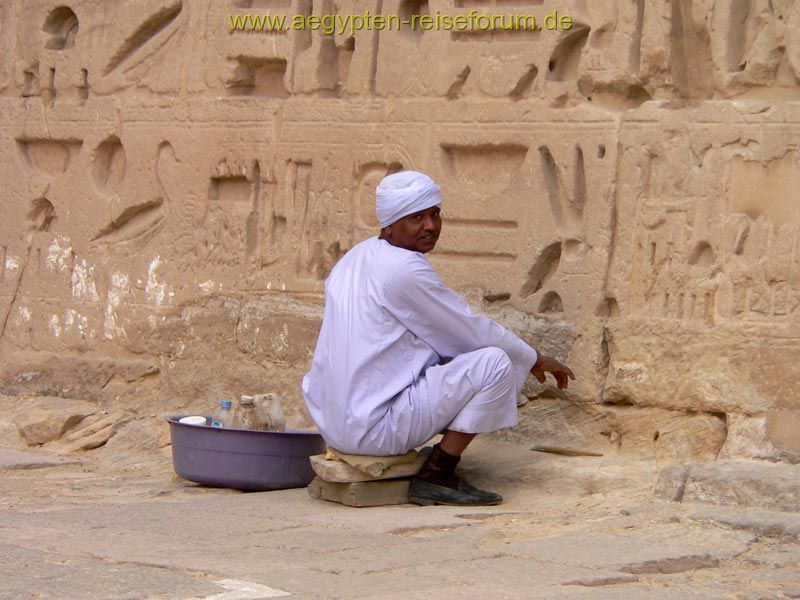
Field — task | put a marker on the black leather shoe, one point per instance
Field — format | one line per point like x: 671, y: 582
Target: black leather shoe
x: 425, y: 493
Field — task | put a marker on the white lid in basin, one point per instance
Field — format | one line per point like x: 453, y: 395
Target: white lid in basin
x: 194, y: 420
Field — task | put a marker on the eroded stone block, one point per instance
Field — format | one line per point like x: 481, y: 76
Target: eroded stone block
x: 361, y: 494
x: 745, y: 483
x: 337, y: 471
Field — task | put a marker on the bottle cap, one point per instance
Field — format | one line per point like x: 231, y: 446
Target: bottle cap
x: 225, y: 403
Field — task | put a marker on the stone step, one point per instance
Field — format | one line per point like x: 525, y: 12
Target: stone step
x: 12, y: 460
x: 361, y: 493
x: 734, y: 483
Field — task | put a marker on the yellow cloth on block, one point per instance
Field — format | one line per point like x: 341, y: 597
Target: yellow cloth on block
x: 374, y: 466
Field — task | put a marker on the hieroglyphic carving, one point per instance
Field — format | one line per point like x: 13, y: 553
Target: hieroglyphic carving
x: 485, y: 168
x: 29, y: 84
x: 367, y: 177
x: 506, y: 62
x: 676, y: 259
x: 136, y: 44
x: 731, y: 46
x: 618, y: 53
x: 761, y: 278
x: 233, y: 213
x: 131, y: 222
x: 635, y: 52
x: 48, y: 157
x: 761, y: 281
x: 248, y: 63
x: 543, y: 269
x: 136, y: 53
x: 68, y: 46
x: 600, y: 55
x: 294, y: 61
x: 615, y: 50
x: 565, y: 185
x: 50, y: 64
x: 41, y: 215
x: 340, y: 63
x: 249, y: 75
x: 690, y: 50
x: 305, y: 220
x: 109, y: 165
x: 316, y: 245
x: 755, y: 44
x: 567, y: 205
x: 698, y: 260
x: 471, y: 174
x: 565, y: 57
x: 62, y: 26
x: 281, y: 223
x: 183, y: 213
x: 530, y: 215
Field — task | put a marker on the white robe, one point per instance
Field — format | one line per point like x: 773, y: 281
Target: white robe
x: 374, y: 386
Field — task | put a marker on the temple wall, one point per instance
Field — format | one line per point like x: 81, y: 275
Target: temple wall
x: 622, y: 194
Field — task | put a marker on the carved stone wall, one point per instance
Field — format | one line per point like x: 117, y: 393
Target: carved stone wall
x: 622, y: 194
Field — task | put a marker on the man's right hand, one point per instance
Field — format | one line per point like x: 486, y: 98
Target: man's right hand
x: 560, y: 371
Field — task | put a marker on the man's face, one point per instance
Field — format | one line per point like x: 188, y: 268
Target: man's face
x: 418, y: 231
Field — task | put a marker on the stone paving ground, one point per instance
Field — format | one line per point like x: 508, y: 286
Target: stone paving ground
x: 571, y: 528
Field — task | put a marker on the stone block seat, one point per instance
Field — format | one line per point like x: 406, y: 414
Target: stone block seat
x: 359, y: 480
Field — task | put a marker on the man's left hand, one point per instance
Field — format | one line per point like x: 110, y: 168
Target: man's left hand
x: 560, y: 371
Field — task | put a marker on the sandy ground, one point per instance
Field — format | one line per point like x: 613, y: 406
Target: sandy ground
x: 122, y: 525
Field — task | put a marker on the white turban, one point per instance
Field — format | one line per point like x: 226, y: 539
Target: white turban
x: 404, y: 193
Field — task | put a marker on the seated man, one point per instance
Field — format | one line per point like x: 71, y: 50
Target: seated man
x: 401, y: 358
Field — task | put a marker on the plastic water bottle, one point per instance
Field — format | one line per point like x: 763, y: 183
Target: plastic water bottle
x: 224, y: 417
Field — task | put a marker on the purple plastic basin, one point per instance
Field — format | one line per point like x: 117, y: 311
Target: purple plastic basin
x: 243, y: 459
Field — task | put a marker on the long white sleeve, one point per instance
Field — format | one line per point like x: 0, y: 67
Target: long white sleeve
x: 438, y: 316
